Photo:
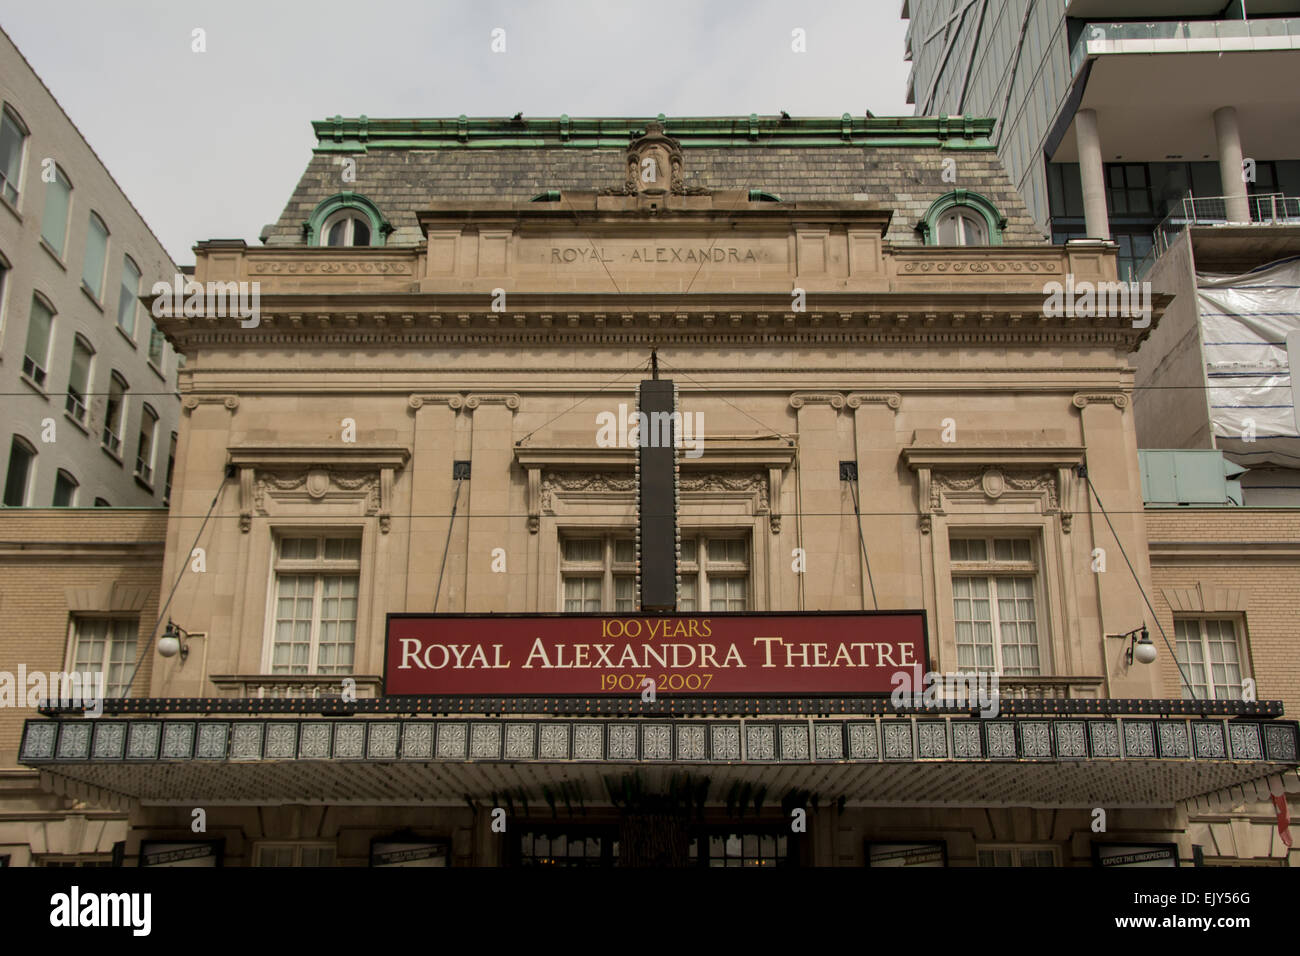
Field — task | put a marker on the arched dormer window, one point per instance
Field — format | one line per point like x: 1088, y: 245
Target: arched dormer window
x: 962, y: 218
x: 347, y: 219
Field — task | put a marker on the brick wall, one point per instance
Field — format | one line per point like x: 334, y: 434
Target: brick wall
x: 56, y: 561
x: 1242, y: 563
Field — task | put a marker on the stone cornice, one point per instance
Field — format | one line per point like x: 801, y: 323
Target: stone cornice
x: 930, y: 326
x: 974, y: 456
x: 307, y: 456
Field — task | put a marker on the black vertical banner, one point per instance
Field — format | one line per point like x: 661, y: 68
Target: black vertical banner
x: 657, y: 487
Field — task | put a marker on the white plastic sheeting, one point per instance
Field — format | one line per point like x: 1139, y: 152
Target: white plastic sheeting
x: 1245, y: 322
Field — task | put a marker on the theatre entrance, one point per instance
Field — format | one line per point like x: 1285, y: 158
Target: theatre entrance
x: 653, y: 840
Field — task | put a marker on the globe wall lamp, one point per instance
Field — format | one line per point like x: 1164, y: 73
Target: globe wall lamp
x: 173, y: 641
x: 1140, y: 646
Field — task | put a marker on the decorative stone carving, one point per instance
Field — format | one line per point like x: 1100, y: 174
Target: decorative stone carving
x: 597, y: 482
x: 509, y: 400
x: 858, y: 399
x: 191, y: 402
x: 654, y: 164
x: 754, y: 483
x: 416, y: 402
x: 1084, y: 399
x: 373, y: 487
x: 833, y: 399
x: 1052, y: 487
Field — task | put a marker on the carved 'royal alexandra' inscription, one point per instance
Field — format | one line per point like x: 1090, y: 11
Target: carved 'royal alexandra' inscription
x: 561, y: 255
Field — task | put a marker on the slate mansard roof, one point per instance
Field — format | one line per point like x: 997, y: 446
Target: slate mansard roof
x: 895, y: 163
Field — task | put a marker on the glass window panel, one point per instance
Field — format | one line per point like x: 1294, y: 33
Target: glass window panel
x: 65, y: 489
x: 624, y: 550
x: 54, y: 218
x: 18, y: 476
x: 686, y: 595
x: 360, y: 233
x: 92, y: 270
x: 36, y: 354
x: 624, y: 594
x: 688, y: 551
x: 583, y: 550
x: 11, y: 157
x: 128, y: 303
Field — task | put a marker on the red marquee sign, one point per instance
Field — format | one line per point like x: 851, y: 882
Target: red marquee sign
x: 536, y: 655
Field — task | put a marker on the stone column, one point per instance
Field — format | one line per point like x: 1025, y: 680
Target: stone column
x: 1093, y: 175
x: 825, y: 535
x: 206, y: 431
x: 1112, y: 460
x: 890, y: 537
x: 429, y: 496
x: 488, y: 508
x: 1230, y: 164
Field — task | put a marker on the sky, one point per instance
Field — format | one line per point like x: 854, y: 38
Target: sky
x: 209, y: 145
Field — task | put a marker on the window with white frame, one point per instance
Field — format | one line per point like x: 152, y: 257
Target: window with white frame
x: 995, y: 608
x: 598, y: 572
x: 36, y: 355
x: 79, y: 379
x: 958, y: 227
x: 105, y: 646
x: 1004, y: 855
x: 128, y: 302
x: 345, y: 228
x: 1210, y: 656
x: 13, y: 140
x: 54, y: 218
x: 714, y: 571
x: 144, y: 449
x: 115, y: 414
x: 317, y: 581
x: 295, y: 854
x: 92, y: 268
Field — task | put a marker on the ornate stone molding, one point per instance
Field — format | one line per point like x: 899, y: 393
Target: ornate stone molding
x: 509, y: 399
x: 833, y: 399
x: 362, y: 473
x: 191, y: 402
x: 1083, y: 399
x: 419, y: 400
x: 857, y: 399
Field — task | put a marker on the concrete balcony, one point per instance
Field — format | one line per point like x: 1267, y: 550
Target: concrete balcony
x: 1185, y: 36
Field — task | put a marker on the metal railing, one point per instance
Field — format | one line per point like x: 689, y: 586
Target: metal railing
x: 1175, y: 30
x: 1268, y: 209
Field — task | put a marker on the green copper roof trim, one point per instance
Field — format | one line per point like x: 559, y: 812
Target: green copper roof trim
x: 360, y: 134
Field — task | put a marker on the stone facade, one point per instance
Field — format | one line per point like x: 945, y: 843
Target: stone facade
x: 807, y: 334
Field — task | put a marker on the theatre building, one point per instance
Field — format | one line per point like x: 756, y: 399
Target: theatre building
x: 579, y: 490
